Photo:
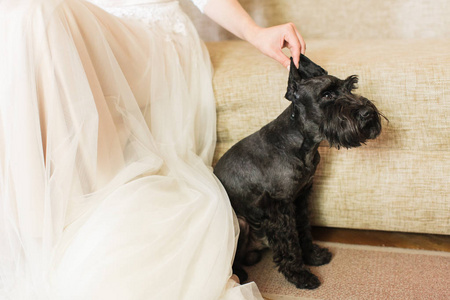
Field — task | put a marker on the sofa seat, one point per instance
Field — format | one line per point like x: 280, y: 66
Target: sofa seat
x: 398, y: 182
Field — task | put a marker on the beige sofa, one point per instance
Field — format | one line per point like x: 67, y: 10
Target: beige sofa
x: 401, y: 51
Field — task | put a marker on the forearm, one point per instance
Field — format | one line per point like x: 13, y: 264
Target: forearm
x: 230, y: 15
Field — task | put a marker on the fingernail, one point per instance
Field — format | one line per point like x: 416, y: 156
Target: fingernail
x: 288, y: 68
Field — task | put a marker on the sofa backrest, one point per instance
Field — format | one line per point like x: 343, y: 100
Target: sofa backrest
x: 344, y: 19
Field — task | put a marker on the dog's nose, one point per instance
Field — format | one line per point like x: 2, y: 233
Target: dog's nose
x: 365, y: 112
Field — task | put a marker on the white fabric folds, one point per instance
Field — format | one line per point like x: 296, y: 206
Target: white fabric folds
x: 107, y: 131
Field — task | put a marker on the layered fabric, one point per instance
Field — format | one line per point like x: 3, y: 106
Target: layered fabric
x: 107, y: 131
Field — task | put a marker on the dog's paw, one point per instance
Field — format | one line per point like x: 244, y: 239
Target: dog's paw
x: 305, y: 280
x: 317, y: 257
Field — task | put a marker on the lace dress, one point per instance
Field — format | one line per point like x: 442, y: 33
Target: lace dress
x: 107, y: 131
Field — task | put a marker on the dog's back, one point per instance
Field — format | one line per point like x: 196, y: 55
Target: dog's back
x: 264, y: 162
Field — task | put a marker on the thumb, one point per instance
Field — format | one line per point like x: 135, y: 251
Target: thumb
x: 294, y: 46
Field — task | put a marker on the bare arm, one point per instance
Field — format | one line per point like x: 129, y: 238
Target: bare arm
x: 230, y: 15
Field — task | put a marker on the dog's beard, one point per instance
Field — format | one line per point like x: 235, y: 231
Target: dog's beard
x: 343, y: 127
x: 372, y: 128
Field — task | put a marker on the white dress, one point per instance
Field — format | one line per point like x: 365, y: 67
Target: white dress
x: 107, y: 131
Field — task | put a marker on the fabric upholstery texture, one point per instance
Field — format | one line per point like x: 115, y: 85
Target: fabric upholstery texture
x: 401, y: 51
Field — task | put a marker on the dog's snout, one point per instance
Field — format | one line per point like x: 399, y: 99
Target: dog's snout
x: 365, y: 112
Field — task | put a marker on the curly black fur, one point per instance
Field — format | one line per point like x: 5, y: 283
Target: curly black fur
x: 268, y: 175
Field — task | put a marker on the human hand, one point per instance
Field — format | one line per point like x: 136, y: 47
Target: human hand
x: 232, y: 16
x: 271, y: 40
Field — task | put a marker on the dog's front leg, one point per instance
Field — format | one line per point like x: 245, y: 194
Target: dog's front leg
x: 280, y: 228
x: 313, y: 254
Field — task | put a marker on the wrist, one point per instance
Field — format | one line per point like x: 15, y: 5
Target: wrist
x: 251, y: 33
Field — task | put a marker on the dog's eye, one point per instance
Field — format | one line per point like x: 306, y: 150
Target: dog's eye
x: 328, y: 95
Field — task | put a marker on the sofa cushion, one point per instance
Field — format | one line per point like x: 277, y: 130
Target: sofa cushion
x: 397, y: 182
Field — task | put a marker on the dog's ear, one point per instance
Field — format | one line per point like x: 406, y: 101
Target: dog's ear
x: 293, y: 82
x: 308, y: 69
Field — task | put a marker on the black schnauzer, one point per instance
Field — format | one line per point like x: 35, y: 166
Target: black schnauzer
x: 268, y: 175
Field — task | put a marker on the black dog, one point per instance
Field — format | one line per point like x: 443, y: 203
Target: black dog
x: 268, y: 175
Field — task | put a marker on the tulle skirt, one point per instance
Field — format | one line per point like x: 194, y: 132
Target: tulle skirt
x: 107, y: 131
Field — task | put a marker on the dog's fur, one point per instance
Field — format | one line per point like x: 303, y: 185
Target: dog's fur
x: 268, y: 175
